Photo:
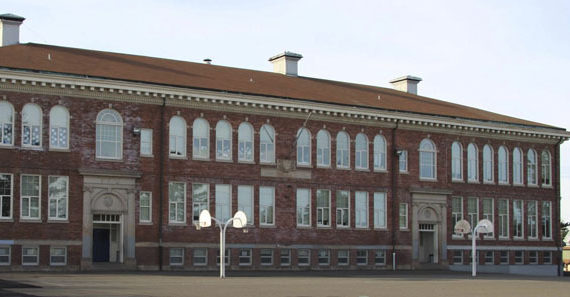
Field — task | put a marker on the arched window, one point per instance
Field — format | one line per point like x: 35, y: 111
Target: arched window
x: 472, y: 163
x: 59, y: 127
x: 503, y: 165
x: 109, y: 135
x: 245, y: 142
x: 177, y: 137
x: 342, y: 150
x: 223, y: 141
x: 531, y: 167
x: 361, y: 151
x: 488, y: 164
x: 517, y: 166
x: 266, y: 144
x: 6, y: 123
x: 428, y: 160
x: 32, y: 125
x: 303, y: 147
x: 546, y: 172
x: 379, y: 152
x: 201, y: 139
x: 323, y: 149
x: 456, y: 161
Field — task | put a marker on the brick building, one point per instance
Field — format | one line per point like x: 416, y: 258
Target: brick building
x: 107, y: 160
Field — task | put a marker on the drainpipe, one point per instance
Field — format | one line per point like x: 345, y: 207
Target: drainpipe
x: 395, y: 172
x: 161, y: 183
x: 557, y: 191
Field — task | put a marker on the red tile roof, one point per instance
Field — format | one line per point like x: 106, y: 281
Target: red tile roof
x: 125, y: 67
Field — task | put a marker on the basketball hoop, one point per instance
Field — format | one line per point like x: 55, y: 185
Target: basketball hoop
x: 462, y: 227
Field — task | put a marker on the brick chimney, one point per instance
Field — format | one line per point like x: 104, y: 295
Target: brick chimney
x: 407, y: 84
x: 10, y: 29
x: 286, y: 63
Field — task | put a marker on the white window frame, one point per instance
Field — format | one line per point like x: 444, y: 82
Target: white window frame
x: 324, y: 254
x: 456, y: 216
x: 304, y: 149
x: 269, y: 153
x: 177, y: 205
x: 457, y: 255
x: 322, y: 211
x: 531, y: 257
x: 473, y: 216
x: 488, y: 164
x: 472, y: 163
x: 501, y: 258
x: 532, y: 168
x: 201, y: 139
x: 244, y: 143
x: 492, y: 258
x: 240, y: 256
x: 360, y: 257
x: 361, y: 153
x: 323, y: 149
x: 51, y: 256
x: 379, y: 152
x: 503, y: 164
x: 546, y: 169
x: 149, y: 220
x: 50, y: 199
x: 9, y: 255
x: 521, y: 236
x: 146, y: 142
x: 299, y: 257
x: 245, y: 202
x: 342, y: 153
x: 377, y: 253
x: 37, y: 262
x: 518, y: 172
x: 403, y: 161
x: 226, y: 152
x: 31, y: 125
x: 199, y: 205
x: 303, y: 209
x: 181, y: 257
x: 53, y: 125
x: 405, y: 215
x: 285, y: 254
x: 223, y: 208
x: 504, y: 218
x: 488, y: 216
x: 341, y: 212
x: 268, y: 256
x: 521, y: 257
x: 118, y: 142
x: 6, y: 124
x: 549, y: 223
x: 544, y: 257
x: 10, y: 197
x: 456, y: 161
x: 532, y: 216
x: 380, y: 204
x: 360, y: 214
x: 196, y: 256
x: 263, y: 207
x: 346, y: 256
x: 422, y: 163
x: 22, y: 197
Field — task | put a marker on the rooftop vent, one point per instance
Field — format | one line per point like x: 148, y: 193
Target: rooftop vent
x: 10, y: 29
x: 286, y: 63
x: 407, y: 84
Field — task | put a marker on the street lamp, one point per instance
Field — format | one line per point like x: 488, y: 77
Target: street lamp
x: 238, y: 221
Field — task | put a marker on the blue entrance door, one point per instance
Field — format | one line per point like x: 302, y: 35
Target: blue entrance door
x: 101, y: 245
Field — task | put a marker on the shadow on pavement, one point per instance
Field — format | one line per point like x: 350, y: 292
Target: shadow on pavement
x: 4, y: 284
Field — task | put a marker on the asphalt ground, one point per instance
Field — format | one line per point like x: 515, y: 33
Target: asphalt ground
x: 280, y: 284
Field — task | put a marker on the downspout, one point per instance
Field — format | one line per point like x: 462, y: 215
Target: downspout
x: 161, y: 182
x: 557, y: 191
x: 395, y: 173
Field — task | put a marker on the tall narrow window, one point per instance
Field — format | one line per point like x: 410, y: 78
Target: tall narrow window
x: 245, y: 202
x: 488, y: 169
x: 266, y: 144
x: 303, y: 147
x: 503, y: 165
x: 323, y: 208
x: 531, y: 167
x: 488, y: 213
x: 361, y: 209
x: 177, y: 137
x: 323, y: 149
x: 503, y: 218
x: 342, y: 209
x: 518, y: 227
x: 223, y: 141
x: 57, y: 197
x: 472, y: 163
x: 223, y: 202
x: 59, y: 128
x: 361, y: 149
x: 546, y: 172
x: 456, y: 161
x: 517, y: 166
x: 473, y: 211
x: 109, y: 135
x: 31, y: 125
x: 379, y: 210
x: 303, y: 207
x: 201, y: 139
x: 200, y: 200
x: 456, y: 210
x: 266, y: 206
x: 532, y: 224
x: 379, y: 153
x: 146, y: 142
x: 342, y: 150
x: 6, y: 123
x: 546, y: 220
x: 403, y: 215
x: 403, y: 161
x: 428, y: 162
x: 176, y: 202
x: 145, y: 207
x: 30, y: 200
x: 6, y: 182
x: 245, y: 142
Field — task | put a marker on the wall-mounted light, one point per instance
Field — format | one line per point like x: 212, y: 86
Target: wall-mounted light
x: 398, y: 152
x: 136, y: 131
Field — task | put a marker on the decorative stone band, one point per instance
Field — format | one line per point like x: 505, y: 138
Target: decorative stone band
x: 260, y: 246
x: 503, y: 248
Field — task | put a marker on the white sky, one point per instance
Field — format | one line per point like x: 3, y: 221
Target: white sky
x: 510, y: 57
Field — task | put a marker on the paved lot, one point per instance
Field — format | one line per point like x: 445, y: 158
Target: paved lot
x: 426, y: 284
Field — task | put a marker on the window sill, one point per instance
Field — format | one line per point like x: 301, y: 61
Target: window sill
x: 504, y: 184
x: 181, y: 224
x: 175, y: 157
x: 547, y: 239
x: 362, y: 169
x: 194, y: 158
x: 59, y: 150
x: 33, y: 221
x: 532, y: 186
x: 380, y: 229
x: 404, y: 229
x: 475, y: 182
x: 489, y: 182
x: 532, y: 239
x: 6, y: 220
x: 343, y: 227
x: 431, y: 180
x: 357, y: 228
x: 267, y: 163
x: 7, y: 146
x: 380, y: 170
x: 504, y: 238
x: 246, y: 162
x: 518, y: 185
x: 518, y: 239
x: 456, y: 237
x: 324, y: 166
x: 267, y: 226
x: 488, y: 238
x: 147, y: 156
x: 547, y: 186
x: 305, y: 227
x: 146, y: 223
x: 32, y: 148
x: 324, y: 227
x: 404, y: 172
x: 304, y: 165
x: 108, y: 160
x: 343, y: 168
x: 224, y: 160
x: 461, y: 181
x: 55, y: 221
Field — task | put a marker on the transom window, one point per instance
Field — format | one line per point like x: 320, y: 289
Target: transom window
x: 303, y: 147
x: 379, y: 152
x: 427, y: 159
x: 6, y: 123
x: 201, y: 139
x: 323, y: 149
x: 361, y: 150
x: 223, y: 141
x: 266, y: 144
x: 177, y: 137
x: 456, y: 161
x: 342, y: 150
x: 31, y: 125
x: 59, y: 127
x: 245, y: 142
x: 109, y: 135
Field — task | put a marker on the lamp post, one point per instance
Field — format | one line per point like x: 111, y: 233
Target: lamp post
x: 238, y: 221
x: 485, y: 226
